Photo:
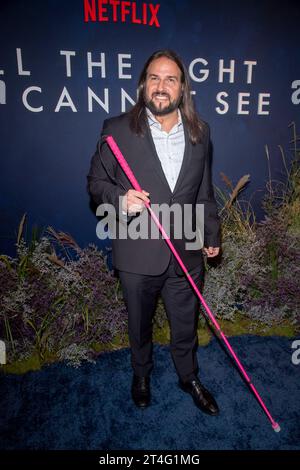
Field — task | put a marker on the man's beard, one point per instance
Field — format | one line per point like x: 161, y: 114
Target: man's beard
x: 161, y: 110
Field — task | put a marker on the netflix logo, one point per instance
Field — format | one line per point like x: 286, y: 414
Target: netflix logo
x: 121, y: 11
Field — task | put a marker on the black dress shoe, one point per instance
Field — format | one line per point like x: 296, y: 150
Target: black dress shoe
x: 202, y: 398
x: 140, y: 391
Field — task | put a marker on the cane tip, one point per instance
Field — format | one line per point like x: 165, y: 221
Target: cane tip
x: 276, y: 427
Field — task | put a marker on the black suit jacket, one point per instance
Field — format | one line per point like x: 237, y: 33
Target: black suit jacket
x: 107, y: 181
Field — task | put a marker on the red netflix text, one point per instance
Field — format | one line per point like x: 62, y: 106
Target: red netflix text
x: 121, y: 11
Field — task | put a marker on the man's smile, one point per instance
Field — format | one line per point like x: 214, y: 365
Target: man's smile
x: 161, y: 97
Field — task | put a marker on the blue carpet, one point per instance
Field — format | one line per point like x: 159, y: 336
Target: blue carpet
x: 90, y: 408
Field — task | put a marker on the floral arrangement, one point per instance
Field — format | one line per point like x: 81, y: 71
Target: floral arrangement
x: 64, y: 307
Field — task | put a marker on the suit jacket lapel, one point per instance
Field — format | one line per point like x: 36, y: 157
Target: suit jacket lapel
x: 186, y: 159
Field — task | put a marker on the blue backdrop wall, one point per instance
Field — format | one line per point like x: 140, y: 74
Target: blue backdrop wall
x: 61, y: 76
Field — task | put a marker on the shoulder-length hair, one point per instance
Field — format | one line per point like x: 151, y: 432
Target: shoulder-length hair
x: 195, y: 126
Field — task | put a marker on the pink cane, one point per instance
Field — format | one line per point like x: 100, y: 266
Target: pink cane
x: 127, y: 170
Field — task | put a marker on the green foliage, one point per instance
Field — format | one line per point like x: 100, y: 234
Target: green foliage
x: 259, y: 269
x: 57, y: 305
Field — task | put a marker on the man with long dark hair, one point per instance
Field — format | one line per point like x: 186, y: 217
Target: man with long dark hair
x: 167, y: 146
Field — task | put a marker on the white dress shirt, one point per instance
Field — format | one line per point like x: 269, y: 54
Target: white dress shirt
x: 169, y: 147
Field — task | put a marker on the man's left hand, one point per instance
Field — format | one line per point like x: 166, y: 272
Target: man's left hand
x: 211, y: 251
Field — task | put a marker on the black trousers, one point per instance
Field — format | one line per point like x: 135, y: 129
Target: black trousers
x: 182, y: 306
